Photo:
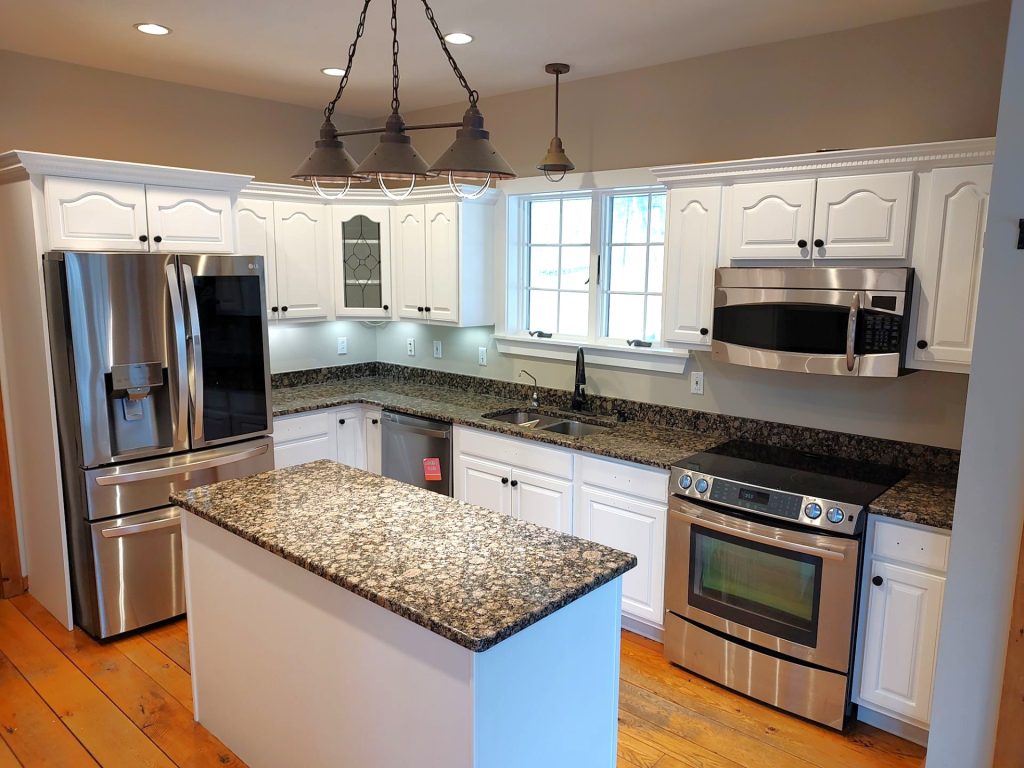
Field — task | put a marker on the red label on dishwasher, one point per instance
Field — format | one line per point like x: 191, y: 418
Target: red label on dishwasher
x: 432, y: 470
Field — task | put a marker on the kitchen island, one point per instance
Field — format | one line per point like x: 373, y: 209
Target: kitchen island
x: 340, y: 618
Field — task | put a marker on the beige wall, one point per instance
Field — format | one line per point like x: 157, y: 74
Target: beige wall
x: 50, y: 106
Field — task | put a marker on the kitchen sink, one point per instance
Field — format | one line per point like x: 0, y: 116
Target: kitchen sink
x: 529, y: 419
x: 575, y: 428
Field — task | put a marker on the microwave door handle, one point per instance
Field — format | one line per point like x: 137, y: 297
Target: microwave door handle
x: 825, y: 554
x: 851, y: 332
x: 180, y: 353
x: 196, y: 358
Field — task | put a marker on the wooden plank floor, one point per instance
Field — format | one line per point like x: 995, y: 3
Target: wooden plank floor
x: 66, y: 700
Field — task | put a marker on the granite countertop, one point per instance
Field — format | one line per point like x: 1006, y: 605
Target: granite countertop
x: 922, y: 498
x: 635, y: 441
x: 469, y: 574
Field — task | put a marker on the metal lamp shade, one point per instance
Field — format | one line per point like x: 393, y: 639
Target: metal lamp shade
x: 394, y: 157
x: 471, y: 155
x: 329, y: 161
x: 556, y: 161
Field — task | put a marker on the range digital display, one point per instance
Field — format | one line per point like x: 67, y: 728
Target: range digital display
x: 757, y: 497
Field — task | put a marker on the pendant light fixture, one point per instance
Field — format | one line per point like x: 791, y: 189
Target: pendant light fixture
x: 555, y: 163
x: 471, y: 156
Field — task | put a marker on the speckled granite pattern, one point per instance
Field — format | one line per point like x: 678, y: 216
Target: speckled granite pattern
x: 922, y: 498
x: 471, y: 575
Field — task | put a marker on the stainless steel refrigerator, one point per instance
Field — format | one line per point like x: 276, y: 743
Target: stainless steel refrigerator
x: 162, y: 382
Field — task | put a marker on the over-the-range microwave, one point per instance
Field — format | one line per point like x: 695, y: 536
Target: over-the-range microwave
x: 842, y: 321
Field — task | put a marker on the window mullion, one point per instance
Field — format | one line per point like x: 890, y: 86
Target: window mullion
x: 598, y: 239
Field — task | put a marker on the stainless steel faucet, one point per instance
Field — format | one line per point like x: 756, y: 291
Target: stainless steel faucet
x: 579, y: 396
x: 535, y: 397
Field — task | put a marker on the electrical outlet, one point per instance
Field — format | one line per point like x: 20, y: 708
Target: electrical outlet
x: 437, y: 349
x: 342, y: 345
x: 483, y: 355
x: 410, y: 347
x: 696, y: 382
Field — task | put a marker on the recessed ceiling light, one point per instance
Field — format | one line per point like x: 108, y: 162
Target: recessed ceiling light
x: 149, y: 28
x: 333, y: 71
x: 458, y: 38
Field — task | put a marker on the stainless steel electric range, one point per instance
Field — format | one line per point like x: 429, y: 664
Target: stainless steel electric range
x: 762, y: 572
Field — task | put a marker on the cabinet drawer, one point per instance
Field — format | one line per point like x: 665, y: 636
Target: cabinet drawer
x: 304, y: 427
x: 914, y: 546
x: 642, y: 482
x: 522, y: 454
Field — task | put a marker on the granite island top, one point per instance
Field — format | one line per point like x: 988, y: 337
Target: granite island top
x: 471, y: 575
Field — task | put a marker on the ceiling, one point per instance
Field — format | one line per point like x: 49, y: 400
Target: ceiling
x: 274, y: 49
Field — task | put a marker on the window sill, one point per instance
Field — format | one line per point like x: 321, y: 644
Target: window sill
x: 607, y: 355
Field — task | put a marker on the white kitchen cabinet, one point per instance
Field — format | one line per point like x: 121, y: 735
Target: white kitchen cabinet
x: 443, y: 256
x: 692, y: 254
x: 768, y: 220
x: 82, y: 214
x: 351, y: 443
x: 255, y: 220
x: 863, y: 217
x: 362, y: 261
x: 371, y: 437
x: 948, y: 266
x: 305, y: 437
x: 541, y: 499
x: 410, y: 249
x: 189, y: 220
x: 484, y: 483
x: 303, y: 248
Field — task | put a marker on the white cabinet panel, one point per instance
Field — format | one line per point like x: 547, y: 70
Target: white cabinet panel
x: 300, y: 439
x: 768, y: 220
x: 189, y: 220
x: 484, y: 483
x: 863, y: 217
x: 692, y: 254
x: 304, y: 276
x: 371, y: 437
x: 409, y: 240
x: 82, y: 214
x: 351, y: 445
x: 948, y: 265
x: 900, y: 639
x: 362, y: 261
x: 543, y: 500
x: 256, y: 237
x: 442, y: 276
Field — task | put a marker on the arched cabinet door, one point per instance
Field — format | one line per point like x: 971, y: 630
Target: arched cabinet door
x: 362, y: 261
x: 768, y: 221
x: 862, y: 217
x: 256, y: 238
x: 88, y: 215
x: 190, y: 220
x: 692, y: 249
x: 305, y: 287
x: 410, y: 248
x: 443, y: 265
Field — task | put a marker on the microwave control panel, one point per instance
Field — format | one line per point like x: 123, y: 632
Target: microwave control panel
x: 879, y: 333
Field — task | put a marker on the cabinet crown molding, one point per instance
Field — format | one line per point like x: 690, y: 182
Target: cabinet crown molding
x: 832, y: 163
x: 437, y: 193
x: 17, y: 165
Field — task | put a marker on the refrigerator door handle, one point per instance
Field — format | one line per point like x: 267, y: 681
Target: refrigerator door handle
x: 180, y: 354
x: 179, y: 469
x: 195, y: 372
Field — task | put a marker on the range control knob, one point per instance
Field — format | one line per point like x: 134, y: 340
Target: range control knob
x: 835, y: 515
x: 813, y: 510
x: 702, y: 486
x: 685, y: 482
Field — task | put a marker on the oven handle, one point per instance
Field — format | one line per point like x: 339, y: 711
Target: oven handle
x: 826, y: 554
x: 851, y: 331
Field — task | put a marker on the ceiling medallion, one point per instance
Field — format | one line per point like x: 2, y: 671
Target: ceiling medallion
x: 471, y: 155
x: 555, y: 163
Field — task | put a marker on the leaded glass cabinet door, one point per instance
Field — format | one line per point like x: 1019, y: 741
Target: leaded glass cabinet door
x: 362, y: 261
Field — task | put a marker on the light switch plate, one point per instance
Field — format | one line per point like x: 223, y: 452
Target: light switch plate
x: 483, y: 356
x: 437, y: 349
x: 342, y: 345
x: 696, y: 382
x: 410, y: 347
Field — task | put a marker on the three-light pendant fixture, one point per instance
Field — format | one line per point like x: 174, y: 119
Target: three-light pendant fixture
x: 471, y: 155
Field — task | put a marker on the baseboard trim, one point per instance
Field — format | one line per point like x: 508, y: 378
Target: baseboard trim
x: 893, y: 725
x: 641, y: 627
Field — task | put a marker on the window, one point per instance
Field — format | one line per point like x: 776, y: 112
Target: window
x: 567, y: 240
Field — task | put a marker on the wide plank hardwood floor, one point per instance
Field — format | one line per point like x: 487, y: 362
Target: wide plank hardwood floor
x: 66, y: 700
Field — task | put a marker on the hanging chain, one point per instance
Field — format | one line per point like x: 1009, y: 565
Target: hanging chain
x: 394, y: 56
x: 473, y: 95
x: 329, y: 109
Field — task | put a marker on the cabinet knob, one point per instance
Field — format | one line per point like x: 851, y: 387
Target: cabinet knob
x: 877, y: 581
x: 385, y: 307
x: 158, y: 239
x: 704, y: 331
x: 426, y: 309
x: 801, y: 243
x: 375, y: 421
x: 273, y: 309
x: 922, y: 344
x: 419, y: 309
x: 284, y: 309
x: 819, y: 243
x: 341, y: 421
x: 515, y: 483
x: 504, y: 481
x: 143, y: 238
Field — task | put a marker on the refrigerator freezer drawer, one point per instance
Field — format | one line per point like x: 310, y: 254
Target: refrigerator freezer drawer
x: 139, y: 574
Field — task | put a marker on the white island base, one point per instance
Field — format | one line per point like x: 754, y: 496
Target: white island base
x: 289, y: 669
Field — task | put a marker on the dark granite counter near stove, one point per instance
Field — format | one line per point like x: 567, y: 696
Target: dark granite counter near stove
x: 922, y: 498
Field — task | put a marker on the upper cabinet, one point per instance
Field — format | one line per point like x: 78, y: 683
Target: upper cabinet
x: 302, y: 233
x: 256, y: 238
x: 362, y: 261
x: 769, y: 220
x: 410, y: 243
x: 692, y: 253
x: 85, y: 214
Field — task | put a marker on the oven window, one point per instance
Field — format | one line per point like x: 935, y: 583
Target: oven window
x: 759, y: 586
x: 806, y: 329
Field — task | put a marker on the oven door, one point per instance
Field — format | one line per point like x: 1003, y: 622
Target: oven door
x: 790, y: 592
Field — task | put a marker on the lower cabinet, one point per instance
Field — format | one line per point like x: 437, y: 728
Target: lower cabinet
x: 351, y: 445
x: 339, y: 434
x: 371, y: 435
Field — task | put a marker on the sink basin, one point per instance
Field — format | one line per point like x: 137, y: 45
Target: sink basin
x: 529, y: 419
x: 575, y: 428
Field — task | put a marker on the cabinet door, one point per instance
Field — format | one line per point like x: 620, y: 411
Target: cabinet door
x: 190, y: 220
x: 304, y: 284
x: 442, y: 227
x: 692, y: 247
x: 767, y: 220
x: 299, y: 439
x: 542, y: 500
x: 483, y: 483
x: 351, y: 445
x: 256, y: 237
x: 371, y: 438
x: 633, y: 526
x: 409, y: 245
x: 900, y: 639
x: 863, y: 217
x: 95, y: 215
x: 949, y: 265
x: 362, y: 261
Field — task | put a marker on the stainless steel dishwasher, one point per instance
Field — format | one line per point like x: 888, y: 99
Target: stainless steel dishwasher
x: 417, y: 451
